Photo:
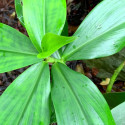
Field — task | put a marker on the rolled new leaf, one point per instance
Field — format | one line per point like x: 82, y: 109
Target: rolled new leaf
x: 26, y: 100
x: 16, y: 49
x: 101, y: 34
x: 43, y: 16
x: 77, y: 100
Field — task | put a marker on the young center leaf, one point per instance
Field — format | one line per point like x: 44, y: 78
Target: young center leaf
x: 52, y: 42
x: 19, y: 11
x: 77, y: 100
x: 26, y: 100
x: 102, y: 33
x: 16, y: 49
x: 119, y: 114
x: 43, y: 16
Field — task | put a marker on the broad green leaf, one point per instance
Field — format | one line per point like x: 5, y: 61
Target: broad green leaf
x: 101, y: 34
x: 26, y: 100
x: 43, y: 16
x: 19, y: 10
x: 119, y: 114
x: 52, y: 42
x: 114, y: 99
x: 77, y: 100
x: 14, y: 41
x: 16, y: 49
x: 10, y: 61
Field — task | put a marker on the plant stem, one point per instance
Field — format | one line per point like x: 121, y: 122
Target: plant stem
x: 54, y: 60
x: 114, y: 76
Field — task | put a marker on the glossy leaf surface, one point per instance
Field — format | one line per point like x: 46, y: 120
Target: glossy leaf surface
x: 13, y: 40
x: 11, y: 61
x: 43, y: 16
x: 101, y: 34
x: 119, y: 114
x: 77, y: 100
x: 52, y: 42
x: 19, y: 10
x: 27, y: 98
x: 16, y: 49
x: 115, y: 98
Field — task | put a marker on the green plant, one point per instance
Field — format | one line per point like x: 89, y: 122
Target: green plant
x: 76, y: 100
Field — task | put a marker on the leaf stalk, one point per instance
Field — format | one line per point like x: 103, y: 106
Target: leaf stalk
x: 114, y: 76
x: 54, y: 60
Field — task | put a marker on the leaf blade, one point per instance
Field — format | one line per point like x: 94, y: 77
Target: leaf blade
x: 11, y: 61
x: 19, y: 11
x: 16, y: 49
x: 104, y: 35
x: 119, y: 114
x: 14, y: 41
x: 40, y: 16
x: 32, y: 100
x: 78, y: 102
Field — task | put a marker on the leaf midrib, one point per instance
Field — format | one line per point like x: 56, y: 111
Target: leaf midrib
x: 72, y: 91
x: 4, y: 50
